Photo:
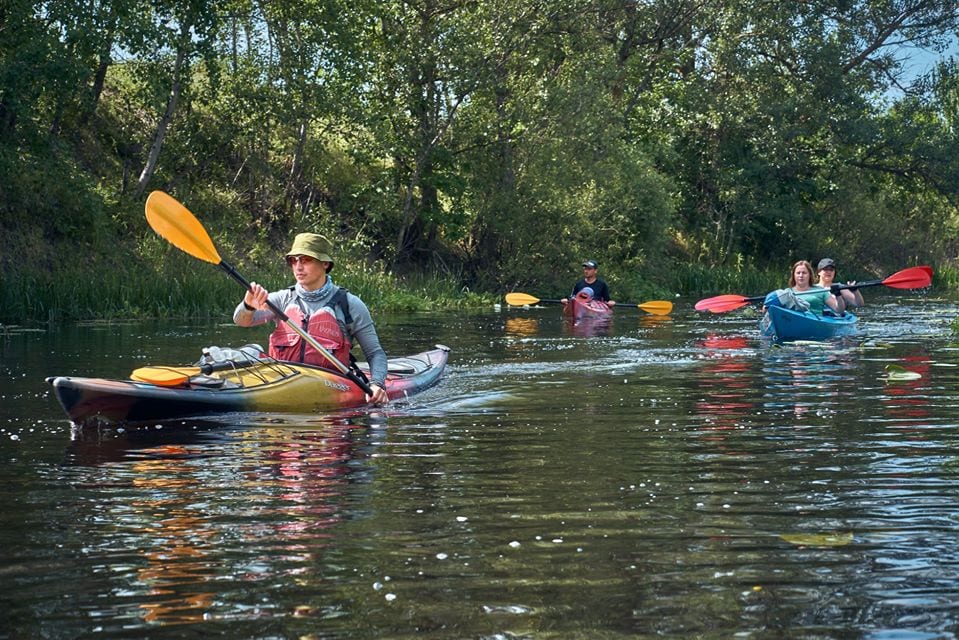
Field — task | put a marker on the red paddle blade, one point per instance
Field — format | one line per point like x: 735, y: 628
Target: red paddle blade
x: 911, y: 278
x: 722, y: 304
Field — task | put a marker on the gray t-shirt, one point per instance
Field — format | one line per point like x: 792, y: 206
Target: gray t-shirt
x: 360, y: 329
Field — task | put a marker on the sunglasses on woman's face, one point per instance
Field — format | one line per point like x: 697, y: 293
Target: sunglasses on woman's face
x: 304, y: 260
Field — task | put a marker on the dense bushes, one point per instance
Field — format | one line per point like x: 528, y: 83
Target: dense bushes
x: 680, y: 149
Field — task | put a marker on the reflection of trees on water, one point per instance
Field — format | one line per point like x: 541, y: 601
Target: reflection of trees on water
x: 521, y: 327
x: 803, y: 378
x: 262, y: 512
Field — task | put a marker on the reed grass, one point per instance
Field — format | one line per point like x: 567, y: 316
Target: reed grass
x: 417, y: 292
x: 181, y: 287
x: 698, y: 279
x: 946, y: 277
x: 160, y: 282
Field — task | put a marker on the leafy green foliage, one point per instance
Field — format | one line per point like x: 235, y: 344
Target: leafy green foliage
x: 683, y: 145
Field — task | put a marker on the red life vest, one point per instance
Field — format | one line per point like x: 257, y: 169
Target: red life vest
x: 286, y: 344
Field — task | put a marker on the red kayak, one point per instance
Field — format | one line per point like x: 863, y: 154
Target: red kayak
x: 583, y: 306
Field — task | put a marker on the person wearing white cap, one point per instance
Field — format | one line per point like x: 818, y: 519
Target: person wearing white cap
x: 599, y: 287
x: 826, y: 270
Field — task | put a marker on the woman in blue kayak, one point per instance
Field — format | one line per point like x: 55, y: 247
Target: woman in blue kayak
x: 800, y: 282
x: 330, y: 314
x: 826, y: 269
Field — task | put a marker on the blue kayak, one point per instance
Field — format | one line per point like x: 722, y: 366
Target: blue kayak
x: 789, y: 324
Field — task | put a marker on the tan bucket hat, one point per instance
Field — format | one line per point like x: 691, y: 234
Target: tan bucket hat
x: 313, y: 245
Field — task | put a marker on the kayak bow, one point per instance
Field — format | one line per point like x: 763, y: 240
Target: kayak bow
x: 582, y: 309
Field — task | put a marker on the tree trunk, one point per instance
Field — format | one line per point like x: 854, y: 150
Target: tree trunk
x: 103, y: 65
x: 296, y: 165
x: 98, y: 81
x: 487, y: 236
x: 404, y: 237
x: 153, y: 157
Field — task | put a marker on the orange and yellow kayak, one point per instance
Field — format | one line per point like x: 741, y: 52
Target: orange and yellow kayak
x: 264, y: 385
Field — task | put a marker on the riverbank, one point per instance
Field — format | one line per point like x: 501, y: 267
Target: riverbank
x: 108, y: 281
x: 100, y: 289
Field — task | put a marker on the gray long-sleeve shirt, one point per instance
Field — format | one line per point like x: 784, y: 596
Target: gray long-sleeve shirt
x: 361, y: 329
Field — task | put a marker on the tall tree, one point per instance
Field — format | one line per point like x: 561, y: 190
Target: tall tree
x: 187, y: 28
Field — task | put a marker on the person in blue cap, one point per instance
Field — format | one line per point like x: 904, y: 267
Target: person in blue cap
x: 590, y: 280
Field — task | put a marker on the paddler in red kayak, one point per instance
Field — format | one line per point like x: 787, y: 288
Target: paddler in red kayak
x: 826, y: 269
x: 330, y: 314
x: 599, y: 287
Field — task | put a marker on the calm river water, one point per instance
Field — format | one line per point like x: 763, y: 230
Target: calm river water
x: 672, y: 477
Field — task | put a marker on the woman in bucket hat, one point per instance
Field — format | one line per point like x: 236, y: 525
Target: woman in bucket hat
x: 330, y: 314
